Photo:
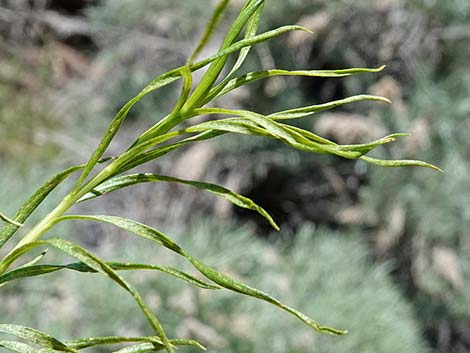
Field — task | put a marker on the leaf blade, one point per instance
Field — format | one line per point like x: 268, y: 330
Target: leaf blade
x: 32, y: 335
x: 132, y: 179
x: 39, y: 270
x: 222, y: 280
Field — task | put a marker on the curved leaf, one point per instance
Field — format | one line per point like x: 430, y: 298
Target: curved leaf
x: 132, y: 179
x: 38, y: 270
x: 259, y: 75
x: 400, y: 163
x: 97, y: 265
x: 161, y: 151
x: 149, y: 347
x: 154, y: 235
x: 198, y: 95
x: 100, y: 266
x: 18, y: 347
x: 309, y: 110
x: 10, y: 221
x: 210, y: 28
x: 108, y: 136
x: 153, y: 341
x: 33, y: 202
x: 35, y: 336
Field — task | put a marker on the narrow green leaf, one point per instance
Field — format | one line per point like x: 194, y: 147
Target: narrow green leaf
x: 161, y: 151
x: 185, y: 72
x: 152, y: 347
x: 33, y: 202
x: 131, y: 226
x: 35, y: 260
x: 140, y: 348
x: 217, y: 65
x: 258, y: 75
x: 132, y: 179
x: 197, y: 97
x: 279, y: 131
x: 210, y: 28
x: 251, y: 28
x: 367, y: 147
x: 9, y: 221
x: 39, y: 270
x: 100, y: 266
x: 108, y: 136
x: 328, y: 146
x: 236, y: 286
x: 96, y: 264
x: 35, y: 336
x: 400, y: 163
x: 15, y: 254
x: 152, y: 342
x: 305, y: 111
x: 235, y: 125
x: 109, y: 340
x: 217, y: 62
x: 18, y: 347
x: 154, y: 235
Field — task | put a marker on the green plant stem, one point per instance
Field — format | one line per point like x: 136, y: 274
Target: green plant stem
x: 50, y: 219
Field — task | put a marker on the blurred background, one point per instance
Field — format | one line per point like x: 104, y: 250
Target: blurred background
x: 382, y: 252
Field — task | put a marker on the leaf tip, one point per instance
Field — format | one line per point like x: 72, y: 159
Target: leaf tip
x: 302, y: 28
x: 385, y: 100
x: 380, y: 68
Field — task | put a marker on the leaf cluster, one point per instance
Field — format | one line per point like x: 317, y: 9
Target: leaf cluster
x: 101, y: 175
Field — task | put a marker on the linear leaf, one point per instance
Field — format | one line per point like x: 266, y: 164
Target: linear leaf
x: 15, y: 254
x: 165, y: 125
x: 132, y: 179
x: 400, y: 163
x: 152, y: 347
x: 251, y: 28
x: 235, y: 125
x: 108, y: 340
x: 111, y: 131
x: 185, y: 72
x: 35, y: 336
x: 210, y: 28
x: 18, y: 347
x: 258, y: 75
x: 236, y: 286
x: 161, y: 151
x: 33, y: 202
x: 217, y: 65
x: 35, y: 260
x: 38, y: 270
x: 137, y: 228
x: 305, y: 111
x: 100, y: 266
x: 282, y: 132
x: 96, y: 264
x: 153, y: 341
x: 154, y: 235
x: 9, y: 221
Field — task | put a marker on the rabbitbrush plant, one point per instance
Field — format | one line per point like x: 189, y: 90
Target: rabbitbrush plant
x: 100, y: 175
